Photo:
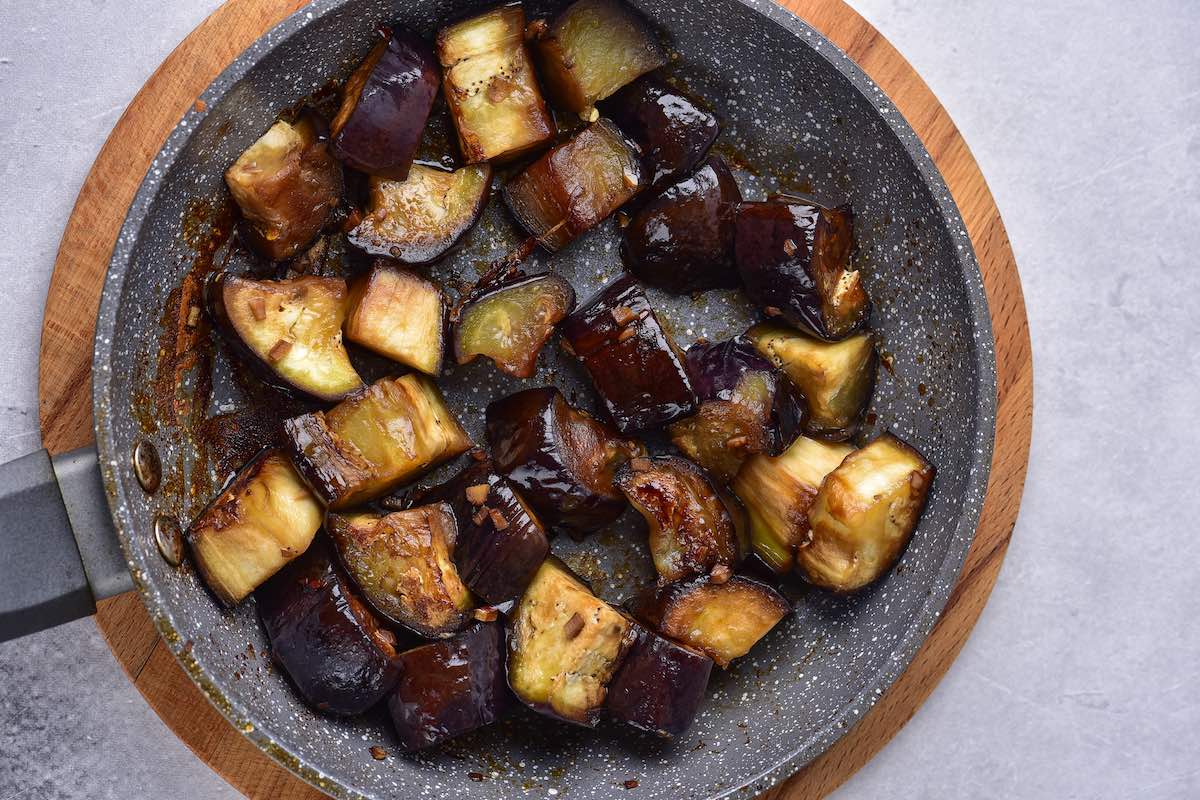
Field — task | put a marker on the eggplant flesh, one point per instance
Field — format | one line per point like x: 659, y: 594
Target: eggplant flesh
x: 561, y: 459
x: 634, y: 364
x: 592, y: 49
x: 418, y: 220
x: 285, y: 184
x: 337, y: 654
x: 387, y: 434
x: 510, y: 324
x: 501, y: 541
x: 723, y: 620
x: 385, y: 104
x: 864, y: 515
x: 450, y: 688
x: 398, y: 314
x: 659, y: 686
x: 565, y: 644
x: 289, y: 332
x: 262, y: 520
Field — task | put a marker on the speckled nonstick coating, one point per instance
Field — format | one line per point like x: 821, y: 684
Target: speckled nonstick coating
x: 790, y: 100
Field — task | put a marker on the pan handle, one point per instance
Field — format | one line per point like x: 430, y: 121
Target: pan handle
x: 58, y: 550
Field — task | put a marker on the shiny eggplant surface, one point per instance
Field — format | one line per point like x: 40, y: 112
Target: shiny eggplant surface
x: 561, y: 459
x: 659, y: 686
x: 634, y: 364
x: 450, y: 688
x: 325, y: 638
x: 510, y: 323
x: 398, y: 314
x: 501, y: 541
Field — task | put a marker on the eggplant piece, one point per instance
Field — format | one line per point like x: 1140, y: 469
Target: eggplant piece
x: 682, y: 240
x: 286, y: 184
x: 418, y: 220
x: 490, y: 86
x: 501, y: 541
x: 565, y: 644
x: 329, y: 643
x: 864, y: 515
x: 635, y: 366
x: 398, y: 314
x: 836, y: 378
x: 290, y: 332
x: 385, y: 104
x: 659, y: 686
x: 450, y: 688
x: 721, y: 619
x: 795, y: 263
x: 511, y: 323
x: 561, y: 458
x: 691, y: 531
x: 403, y: 563
x: 375, y: 440
x: 672, y: 130
x: 576, y: 185
x: 778, y: 494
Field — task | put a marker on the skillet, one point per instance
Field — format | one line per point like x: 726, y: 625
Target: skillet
x: 803, y: 118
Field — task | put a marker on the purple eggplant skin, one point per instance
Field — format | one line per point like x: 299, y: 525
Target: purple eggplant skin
x: 450, y: 688
x: 674, y: 131
x: 385, y: 104
x: 682, y: 240
x: 501, y: 542
x: 659, y: 686
x: 337, y: 654
x: 794, y: 262
x: 635, y: 366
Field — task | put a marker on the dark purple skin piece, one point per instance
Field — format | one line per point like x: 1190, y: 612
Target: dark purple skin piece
x: 682, y: 240
x: 450, y: 688
x: 324, y: 637
x: 383, y: 131
x: 501, y: 543
x: 659, y: 686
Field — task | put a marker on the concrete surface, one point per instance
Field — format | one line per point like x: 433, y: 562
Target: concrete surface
x: 1080, y: 680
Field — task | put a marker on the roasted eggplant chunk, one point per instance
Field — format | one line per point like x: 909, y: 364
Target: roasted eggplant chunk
x: 592, y: 49
x: 490, y: 87
x: 418, y: 220
x: 263, y: 519
x: 778, y: 494
x: 561, y: 459
x: 682, y: 240
x: 635, y: 366
x: 564, y: 646
x: 501, y: 541
x: 375, y: 440
x: 659, y: 686
x: 385, y: 104
x: 864, y: 515
x: 745, y: 408
x: 285, y: 184
x: 450, y: 688
x: 398, y: 314
x: 404, y: 564
x: 511, y: 323
x: 691, y: 531
x: 722, y: 619
x: 836, y: 378
x: 795, y: 263
x: 576, y: 185
x: 324, y: 636
x: 672, y: 130
x: 290, y: 331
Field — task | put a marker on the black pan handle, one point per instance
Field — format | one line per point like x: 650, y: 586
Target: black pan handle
x: 58, y: 550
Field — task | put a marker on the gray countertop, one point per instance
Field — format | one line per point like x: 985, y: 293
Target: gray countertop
x: 1080, y: 679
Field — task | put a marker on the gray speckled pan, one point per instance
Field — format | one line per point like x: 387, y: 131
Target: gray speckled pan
x: 805, y: 115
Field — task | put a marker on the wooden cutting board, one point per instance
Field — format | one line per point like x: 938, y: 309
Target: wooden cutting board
x: 70, y: 317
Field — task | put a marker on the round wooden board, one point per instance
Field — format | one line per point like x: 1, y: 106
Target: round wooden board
x: 66, y: 358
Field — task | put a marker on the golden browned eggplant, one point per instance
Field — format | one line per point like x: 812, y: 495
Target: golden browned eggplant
x: 264, y: 518
x: 373, y: 441
x: 398, y: 314
x: 659, y: 686
x: 864, y: 515
x: 490, y: 86
x: 565, y: 644
x: 510, y: 323
x: 501, y: 541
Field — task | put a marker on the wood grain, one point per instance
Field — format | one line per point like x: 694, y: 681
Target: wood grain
x: 65, y: 381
